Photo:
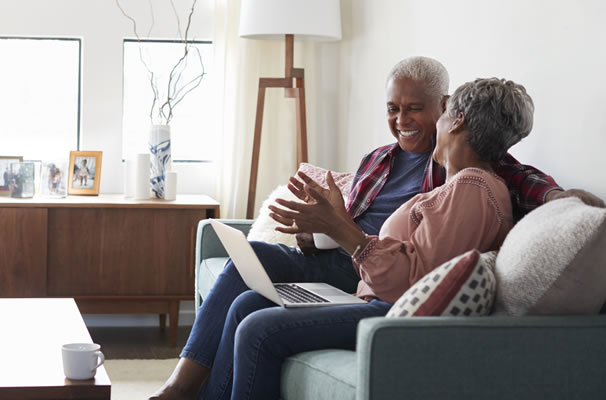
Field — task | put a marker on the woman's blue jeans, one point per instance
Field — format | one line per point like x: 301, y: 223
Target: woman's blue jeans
x: 244, y: 337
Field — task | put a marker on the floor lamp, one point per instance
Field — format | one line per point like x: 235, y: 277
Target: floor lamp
x: 285, y: 20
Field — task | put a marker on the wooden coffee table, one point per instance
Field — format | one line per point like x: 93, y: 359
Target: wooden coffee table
x: 31, y: 336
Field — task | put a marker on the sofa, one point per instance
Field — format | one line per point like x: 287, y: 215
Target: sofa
x: 495, y: 357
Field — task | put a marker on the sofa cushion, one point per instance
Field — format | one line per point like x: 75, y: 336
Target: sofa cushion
x: 319, y: 375
x: 463, y: 286
x: 554, y: 261
x: 210, y: 269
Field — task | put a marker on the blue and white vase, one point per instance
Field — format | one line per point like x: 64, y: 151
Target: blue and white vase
x: 160, y: 163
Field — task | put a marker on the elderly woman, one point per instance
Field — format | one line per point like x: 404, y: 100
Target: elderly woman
x: 472, y: 210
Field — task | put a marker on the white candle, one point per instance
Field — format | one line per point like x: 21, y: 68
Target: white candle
x: 142, y: 183
x: 170, y: 186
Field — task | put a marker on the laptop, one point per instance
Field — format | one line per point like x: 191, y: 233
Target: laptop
x: 309, y: 294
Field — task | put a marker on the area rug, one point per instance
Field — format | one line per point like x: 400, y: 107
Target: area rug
x: 137, y: 379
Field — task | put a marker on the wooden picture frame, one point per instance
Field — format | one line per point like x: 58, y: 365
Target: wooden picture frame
x: 84, y: 172
x: 5, y: 171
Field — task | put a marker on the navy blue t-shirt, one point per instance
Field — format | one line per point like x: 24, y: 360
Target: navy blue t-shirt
x: 404, y: 181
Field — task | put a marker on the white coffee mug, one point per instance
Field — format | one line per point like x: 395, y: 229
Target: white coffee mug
x: 324, y: 242
x: 81, y: 360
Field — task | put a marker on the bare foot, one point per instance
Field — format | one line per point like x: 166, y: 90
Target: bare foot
x: 171, y: 392
x: 184, y: 383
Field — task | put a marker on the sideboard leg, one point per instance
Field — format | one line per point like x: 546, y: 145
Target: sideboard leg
x: 174, y: 321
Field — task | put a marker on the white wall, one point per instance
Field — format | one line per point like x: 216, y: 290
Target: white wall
x: 102, y: 27
x: 557, y: 49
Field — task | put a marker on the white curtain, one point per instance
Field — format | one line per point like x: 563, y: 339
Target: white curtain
x: 240, y: 63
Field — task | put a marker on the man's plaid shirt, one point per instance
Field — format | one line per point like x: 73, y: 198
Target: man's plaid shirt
x: 527, y: 185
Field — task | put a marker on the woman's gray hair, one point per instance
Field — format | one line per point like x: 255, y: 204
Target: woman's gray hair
x: 423, y: 69
x: 498, y: 114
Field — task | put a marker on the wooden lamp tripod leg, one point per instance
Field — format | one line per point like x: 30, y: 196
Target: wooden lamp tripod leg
x: 297, y: 92
x: 301, y: 123
x: 254, y: 165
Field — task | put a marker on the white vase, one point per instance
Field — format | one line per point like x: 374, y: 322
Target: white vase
x: 160, y: 163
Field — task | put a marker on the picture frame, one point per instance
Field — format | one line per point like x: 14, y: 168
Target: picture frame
x: 84, y: 172
x: 53, y: 178
x: 22, y: 183
x: 5, y: 172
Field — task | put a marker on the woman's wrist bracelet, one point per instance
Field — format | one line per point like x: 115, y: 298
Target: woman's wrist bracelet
x: 360, y: 247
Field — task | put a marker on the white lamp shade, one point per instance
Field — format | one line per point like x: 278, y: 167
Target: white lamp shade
x: 306, y: 19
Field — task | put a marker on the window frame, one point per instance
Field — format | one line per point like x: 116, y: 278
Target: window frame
x: 174, y: 41
x: 79, y: 101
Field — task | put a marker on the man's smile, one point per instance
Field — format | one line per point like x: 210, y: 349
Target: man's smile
x: 408, y: 134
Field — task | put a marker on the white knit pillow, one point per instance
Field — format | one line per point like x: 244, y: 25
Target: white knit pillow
x: 554, y: 261
x: 263, y: 229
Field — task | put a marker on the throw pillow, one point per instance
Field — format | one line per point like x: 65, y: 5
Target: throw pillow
x: 463, y: 286
x: 318, y: 174
x: 554, y: 261
x: 263, y: 229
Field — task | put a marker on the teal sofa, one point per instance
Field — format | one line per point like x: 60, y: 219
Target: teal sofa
x: 422, y: 358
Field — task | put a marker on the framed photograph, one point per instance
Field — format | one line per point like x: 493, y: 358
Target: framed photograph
x: 84, y: 172
x: 6, y: 173
x: 53, y: 179
x: 22, y: 176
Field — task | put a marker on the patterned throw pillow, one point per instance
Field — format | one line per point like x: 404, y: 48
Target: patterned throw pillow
x: 318, y: 174
x: 463, y: 286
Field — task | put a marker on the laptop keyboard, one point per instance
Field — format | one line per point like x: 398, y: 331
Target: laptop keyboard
x: 296, y: 294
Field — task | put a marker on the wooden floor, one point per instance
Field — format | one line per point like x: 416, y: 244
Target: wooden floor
x: 138, y: 342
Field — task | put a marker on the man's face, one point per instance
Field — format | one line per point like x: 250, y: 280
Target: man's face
x: 412, y: 114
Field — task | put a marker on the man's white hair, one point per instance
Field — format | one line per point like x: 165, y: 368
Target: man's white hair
x: 423, y: 69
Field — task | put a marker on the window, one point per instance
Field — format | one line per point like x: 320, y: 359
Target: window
x: 40, y: 97
x: 193, y: 135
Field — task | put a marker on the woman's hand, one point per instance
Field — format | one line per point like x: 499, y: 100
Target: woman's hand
x: 323, y: 212
x: 297, y: 187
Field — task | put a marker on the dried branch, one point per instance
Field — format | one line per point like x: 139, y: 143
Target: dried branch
x: 153, y: 21
x: 175, y: 90
x: 172, y: 4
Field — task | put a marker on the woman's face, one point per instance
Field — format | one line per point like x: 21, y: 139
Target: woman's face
x: 411, y: 114
x: 443, y: 127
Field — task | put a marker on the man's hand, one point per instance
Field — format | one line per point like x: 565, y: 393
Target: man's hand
x: 588, y: 198
x: 305, y: 241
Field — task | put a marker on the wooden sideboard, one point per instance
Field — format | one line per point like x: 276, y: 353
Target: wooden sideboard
x: 113, y: 255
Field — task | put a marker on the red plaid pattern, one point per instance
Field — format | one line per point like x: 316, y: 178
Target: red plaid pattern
x: 527, y: 185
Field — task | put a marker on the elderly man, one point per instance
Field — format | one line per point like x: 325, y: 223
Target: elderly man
x: 416, y: 92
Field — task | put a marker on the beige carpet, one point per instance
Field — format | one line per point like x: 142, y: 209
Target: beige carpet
x: 137, y: 379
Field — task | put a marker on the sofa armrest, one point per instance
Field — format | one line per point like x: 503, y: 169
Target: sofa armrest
x: 555, y: 357
x: 208, y: 245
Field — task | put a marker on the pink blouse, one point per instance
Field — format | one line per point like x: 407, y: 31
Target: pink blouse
x: 470, y: 211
